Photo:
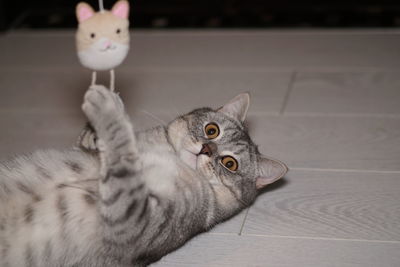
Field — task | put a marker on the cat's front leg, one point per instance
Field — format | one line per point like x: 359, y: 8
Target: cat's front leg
x: 116, y: 140
x: 124, y: 195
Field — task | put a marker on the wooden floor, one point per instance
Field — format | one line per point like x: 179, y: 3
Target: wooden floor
x: 325, y: 102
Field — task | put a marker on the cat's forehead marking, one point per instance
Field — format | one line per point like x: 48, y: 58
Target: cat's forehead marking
x: 241, y: 147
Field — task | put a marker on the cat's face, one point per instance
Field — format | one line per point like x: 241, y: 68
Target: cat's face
x: 102, y: 39
x: 216, y: 143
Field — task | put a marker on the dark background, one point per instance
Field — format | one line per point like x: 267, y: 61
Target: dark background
x: 211, y: 14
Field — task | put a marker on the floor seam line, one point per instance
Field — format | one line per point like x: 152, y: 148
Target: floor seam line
x: 326, y: 238
x: 342, y: 170
x: 288, y: 92
x: 244, y: 221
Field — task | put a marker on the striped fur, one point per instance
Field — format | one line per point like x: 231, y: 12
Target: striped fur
x: 124, y: 198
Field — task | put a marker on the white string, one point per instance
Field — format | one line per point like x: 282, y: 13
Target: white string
x: 94, y: 76
x: 112, y: 80
x: 101, y: 6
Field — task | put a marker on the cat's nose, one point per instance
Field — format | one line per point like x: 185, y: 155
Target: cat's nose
x: 207, y: 149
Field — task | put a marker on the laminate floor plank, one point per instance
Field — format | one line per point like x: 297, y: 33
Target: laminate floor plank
x: 180, y: 92
x: 251, y: 251
x: 342, y: 205
x: 356, y: 93
x: 353, y: 143
x: 42, y: 91
x: 58, y: 91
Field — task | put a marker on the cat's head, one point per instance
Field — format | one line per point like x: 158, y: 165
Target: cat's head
x: 217, y: 144
x: 102, y: 39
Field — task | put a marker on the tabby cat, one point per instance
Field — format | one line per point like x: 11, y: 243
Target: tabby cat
x: 126, y: 198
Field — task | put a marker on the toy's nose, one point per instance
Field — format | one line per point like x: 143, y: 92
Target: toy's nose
x: 107, y: 44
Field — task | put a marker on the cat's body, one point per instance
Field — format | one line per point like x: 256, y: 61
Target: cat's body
x: 142, y: 196
x: 48, y: 215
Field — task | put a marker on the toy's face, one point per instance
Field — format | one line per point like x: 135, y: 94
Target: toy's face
x: 102, y: 39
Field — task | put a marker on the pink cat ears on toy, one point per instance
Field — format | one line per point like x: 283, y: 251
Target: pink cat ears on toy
x: 84, y: 11
x: 114, y: 48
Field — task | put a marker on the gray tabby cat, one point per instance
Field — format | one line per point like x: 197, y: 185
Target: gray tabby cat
x: 139, y: 197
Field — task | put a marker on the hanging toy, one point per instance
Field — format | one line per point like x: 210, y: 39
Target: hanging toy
x: 102, y: 39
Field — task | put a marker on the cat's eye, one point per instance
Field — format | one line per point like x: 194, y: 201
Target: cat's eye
x: 92, y: 35
x: 211, y: 130
x: 118, y: 31
x: 230, y: 163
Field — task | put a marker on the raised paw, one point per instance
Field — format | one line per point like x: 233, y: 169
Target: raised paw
x: 102, y: 106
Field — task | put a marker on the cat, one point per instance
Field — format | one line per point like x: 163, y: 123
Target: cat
x: 126, y: 198
x: 102, y: 38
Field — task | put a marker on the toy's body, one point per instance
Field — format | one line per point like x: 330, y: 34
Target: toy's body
x: 102, y: 39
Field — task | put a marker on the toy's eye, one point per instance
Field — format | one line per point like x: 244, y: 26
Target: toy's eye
x: 118, y: 31
x: 211, y: 130
x: 230, y: 163
x: 92, y: 35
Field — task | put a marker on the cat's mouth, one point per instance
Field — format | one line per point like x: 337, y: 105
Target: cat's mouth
x: 190, y: 153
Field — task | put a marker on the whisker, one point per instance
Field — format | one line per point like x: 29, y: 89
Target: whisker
x: 178, y: 114
x: 154, y: 117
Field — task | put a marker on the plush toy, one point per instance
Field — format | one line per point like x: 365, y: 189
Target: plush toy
x: 102, y: 39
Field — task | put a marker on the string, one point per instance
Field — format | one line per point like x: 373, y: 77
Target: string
x: 101, y: 6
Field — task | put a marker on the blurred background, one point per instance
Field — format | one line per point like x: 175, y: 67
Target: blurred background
x: 17, y: 14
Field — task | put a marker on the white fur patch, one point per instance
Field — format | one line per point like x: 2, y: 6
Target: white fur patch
x: 160, y: 172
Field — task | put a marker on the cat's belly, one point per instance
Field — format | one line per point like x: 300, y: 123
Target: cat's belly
x: 62, y: 221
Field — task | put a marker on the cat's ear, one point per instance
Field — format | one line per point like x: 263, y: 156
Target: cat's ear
x: 84, y: 11
x: 269, y: 171
x: 121, y: 9
x: 237, y: 108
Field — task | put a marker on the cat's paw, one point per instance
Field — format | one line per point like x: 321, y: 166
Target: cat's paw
x: 101, y: 105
